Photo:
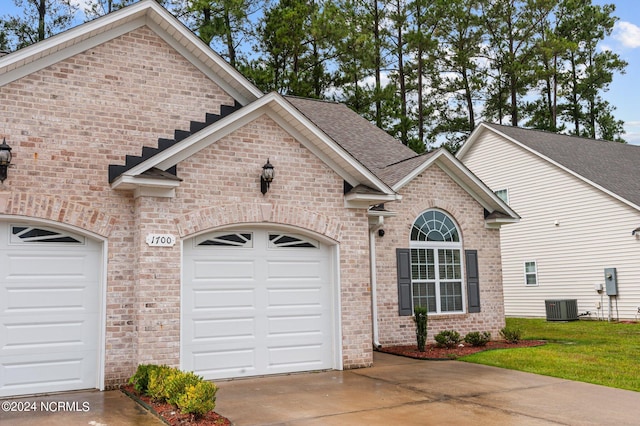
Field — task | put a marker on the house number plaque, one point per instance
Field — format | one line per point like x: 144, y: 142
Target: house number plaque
x: 161, y: 240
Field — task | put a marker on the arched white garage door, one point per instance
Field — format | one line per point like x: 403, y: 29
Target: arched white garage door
x: 49, y: 310
x: 256, y: 302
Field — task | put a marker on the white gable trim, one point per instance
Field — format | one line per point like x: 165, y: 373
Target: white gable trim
x: 466, y: 180
x: 291, y: 120
x: 146, y: 12
x: 482, y: 127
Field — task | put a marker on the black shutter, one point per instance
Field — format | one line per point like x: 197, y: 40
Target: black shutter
x: 403, y: 262
x: 473, y: 283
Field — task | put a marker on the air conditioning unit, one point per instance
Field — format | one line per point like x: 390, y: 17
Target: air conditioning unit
x: 562, y: 310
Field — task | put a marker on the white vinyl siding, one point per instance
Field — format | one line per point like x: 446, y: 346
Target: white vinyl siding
x: 575, y: 232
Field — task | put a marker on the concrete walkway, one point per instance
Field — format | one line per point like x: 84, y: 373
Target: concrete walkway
x: 395, y: 392
x: 401, y: 391
x: 84, y: 408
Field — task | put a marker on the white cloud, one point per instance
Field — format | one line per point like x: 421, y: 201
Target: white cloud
x: 627, y: 33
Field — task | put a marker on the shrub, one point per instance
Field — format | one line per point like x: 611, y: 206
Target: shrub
x: 140, y: 380
x: 448, y: 338
x: 177, y: 384
x: 198, y: 399
x: 420, y: 318
x: 475, y: 338
x: 158, y: 382
x: 511, y: 335
x: 186, y: 390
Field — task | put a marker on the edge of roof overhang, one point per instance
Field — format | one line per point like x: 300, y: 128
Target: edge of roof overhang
x: 295, y: 123
x: 146, y: 12
x: 483, y: 126
x: 460, y: 174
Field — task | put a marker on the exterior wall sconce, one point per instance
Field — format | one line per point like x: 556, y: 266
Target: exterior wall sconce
x: 266, y: 177
x: 5, y: 159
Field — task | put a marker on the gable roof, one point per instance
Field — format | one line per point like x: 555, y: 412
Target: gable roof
x: 390, y: 160
x: 608, y: 166
x: 143, y: 13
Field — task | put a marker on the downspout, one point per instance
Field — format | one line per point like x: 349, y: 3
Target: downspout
x: 373, y: 228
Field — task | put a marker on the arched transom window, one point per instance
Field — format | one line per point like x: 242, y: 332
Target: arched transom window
x: 436, y: 263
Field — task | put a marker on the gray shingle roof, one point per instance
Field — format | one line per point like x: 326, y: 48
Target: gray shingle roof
x: 611, y: 165
x: 381, y: 153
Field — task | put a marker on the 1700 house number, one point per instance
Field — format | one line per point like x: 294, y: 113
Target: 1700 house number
x: 161, y: 240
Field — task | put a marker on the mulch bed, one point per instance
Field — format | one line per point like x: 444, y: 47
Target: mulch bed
x: 170, y: 415
x: 432, y: 352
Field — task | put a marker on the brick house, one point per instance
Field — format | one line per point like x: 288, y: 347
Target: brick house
x: 135, y: 228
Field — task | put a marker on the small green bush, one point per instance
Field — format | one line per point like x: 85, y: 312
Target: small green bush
x: 186, y: 390
x: 178, y: 383
x: 157, y: 388
x: 475, y: 338
x: 511, y: 334
x: 140, y: 380
x: 198, y: 399
x: 448, y: 338
x: 420, y: 318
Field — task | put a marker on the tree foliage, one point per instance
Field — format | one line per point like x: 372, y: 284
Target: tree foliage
x: 426, y: 71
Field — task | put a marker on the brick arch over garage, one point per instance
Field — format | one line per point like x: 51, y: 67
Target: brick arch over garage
x: 231, y: 214
x: 54, y: 209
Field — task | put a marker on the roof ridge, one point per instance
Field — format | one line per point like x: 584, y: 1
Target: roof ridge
x: 424, y: 154
x: 549, y: 132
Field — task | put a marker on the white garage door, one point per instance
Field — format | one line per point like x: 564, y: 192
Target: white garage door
x: 256, y: 302
x: 49, y: 310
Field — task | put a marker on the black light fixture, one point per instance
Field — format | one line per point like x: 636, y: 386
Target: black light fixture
x: 5, y: 159
x: 266, y: 177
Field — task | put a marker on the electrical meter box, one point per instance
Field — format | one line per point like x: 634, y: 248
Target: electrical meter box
x: 611, y: 281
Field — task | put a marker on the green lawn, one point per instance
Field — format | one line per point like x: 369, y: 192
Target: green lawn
x: 588, y: 351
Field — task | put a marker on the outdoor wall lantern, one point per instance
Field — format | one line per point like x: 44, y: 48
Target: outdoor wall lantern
x: 265, y: 178
x: 5, y: 159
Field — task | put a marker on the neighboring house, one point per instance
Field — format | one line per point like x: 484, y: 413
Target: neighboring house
x: 580, y: 205
x: 136, y: 227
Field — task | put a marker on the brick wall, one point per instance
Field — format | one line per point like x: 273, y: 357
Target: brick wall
x: 68, y: 122
x: 434, y: 189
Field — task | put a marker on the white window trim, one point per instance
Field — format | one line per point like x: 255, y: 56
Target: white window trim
x: 436, y: 246
x: 535, y: 273
x: 506, y: 192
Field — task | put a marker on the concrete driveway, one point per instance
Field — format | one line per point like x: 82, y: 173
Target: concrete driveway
x: 401, y: 391
x: 396, y: 391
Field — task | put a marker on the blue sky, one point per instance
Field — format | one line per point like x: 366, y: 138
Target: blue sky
x: 625, y: 41
x: 625, y: 89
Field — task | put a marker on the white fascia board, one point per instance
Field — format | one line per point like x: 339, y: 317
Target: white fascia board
x: 497, y: 223
x: 200, y: 140
x: 477, y: 189
x: 566, y: 169
x: 466, y: 146
x: 463, y: 177
x: 126, y: 182
x: 364, y: 201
